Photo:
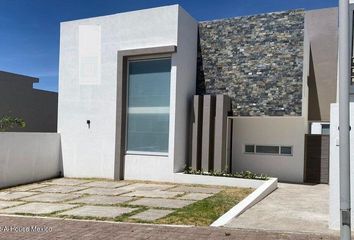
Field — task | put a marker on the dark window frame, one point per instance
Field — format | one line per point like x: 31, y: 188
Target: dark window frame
x: 278, y: 153
x: 250, y: 146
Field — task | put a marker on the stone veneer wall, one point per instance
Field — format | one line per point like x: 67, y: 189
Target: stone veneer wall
x: 256, y: 60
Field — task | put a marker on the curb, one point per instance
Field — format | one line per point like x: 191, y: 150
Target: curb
x: 261, y: 192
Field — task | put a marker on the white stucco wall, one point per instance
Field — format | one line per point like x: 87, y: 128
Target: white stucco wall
x: 334, y: 219
x: 90, y: 152
x: 305, y: 71
x: 28, y: 157
x: 186, y: 61
x: 273, y: 131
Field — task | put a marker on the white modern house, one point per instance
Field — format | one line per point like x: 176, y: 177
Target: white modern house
x: 143, y: 94
x: 125, y: 85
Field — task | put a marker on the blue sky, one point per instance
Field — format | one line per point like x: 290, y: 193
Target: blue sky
x: 29, y: 29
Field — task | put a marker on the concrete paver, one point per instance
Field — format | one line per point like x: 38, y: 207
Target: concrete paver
x: 98, y: 211
x: 51, y: 197
x: 196, y: 189
x: 38, y: 208
x: 14, y: 195
x: 59, y: 189
x: 104, y: 191
x: 67, y: 181
x: 195, y: 196
x: 5, y: 204
x: 163, y: 203
x: 153, y: 194
x: 105, y: 184
x: 27, y: 187
x: 292, y: 207
x: 102, y: 200
x: 152, y: 214
x: 146, y: 187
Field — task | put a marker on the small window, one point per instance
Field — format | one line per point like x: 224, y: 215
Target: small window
x: 286, y: 150
x: 249, y: 148
x: 272, y: 150
x: 325, y: 129
x: 267, y: 149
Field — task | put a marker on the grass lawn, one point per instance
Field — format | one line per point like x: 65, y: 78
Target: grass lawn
x: 206, y: 211
x: 203, y: 212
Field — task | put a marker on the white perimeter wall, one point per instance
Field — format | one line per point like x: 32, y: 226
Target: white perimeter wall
x: 90, y: 152
x: 28, y: 157
x: 334, y: 219
x: 279, y: 131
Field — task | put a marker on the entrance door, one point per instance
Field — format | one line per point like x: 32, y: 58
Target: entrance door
x: 317, y: 158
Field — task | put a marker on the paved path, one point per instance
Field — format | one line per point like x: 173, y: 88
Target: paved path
x: 292, y: 207
x: 86, y: 230
x: 99, y: 199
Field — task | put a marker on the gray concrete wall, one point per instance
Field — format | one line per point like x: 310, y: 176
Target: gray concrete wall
x: 209, y: 133
x: 208, y: 130
x: 28, y: 157
x: 38, y: 108
x: 278, y: 131
x: 121, y: 113
x: 222, y: 108
x: 196, y: 133
x: 321, y: 28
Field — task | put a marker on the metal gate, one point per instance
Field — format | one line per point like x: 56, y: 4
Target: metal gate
x: 316, y: 158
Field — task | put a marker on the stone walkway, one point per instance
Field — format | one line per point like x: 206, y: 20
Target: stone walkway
x: 14, y: 228
x: 291, y: 208
x: 101, y: 200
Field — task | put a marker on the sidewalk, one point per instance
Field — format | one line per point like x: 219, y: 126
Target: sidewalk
x: 86, y: 230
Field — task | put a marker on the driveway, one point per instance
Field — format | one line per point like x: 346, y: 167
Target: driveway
x: 92, y: 198
x: 290, y: 208
x: 101, y: 200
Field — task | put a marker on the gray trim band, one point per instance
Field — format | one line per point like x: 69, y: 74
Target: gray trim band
x: 121, y: 100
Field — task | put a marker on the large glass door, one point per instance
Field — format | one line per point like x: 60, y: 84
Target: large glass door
x: 148, y: 109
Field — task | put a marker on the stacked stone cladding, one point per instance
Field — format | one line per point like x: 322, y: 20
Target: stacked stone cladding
x: 256, y: 60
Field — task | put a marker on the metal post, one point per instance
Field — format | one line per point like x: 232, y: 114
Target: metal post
x: 344, y: 150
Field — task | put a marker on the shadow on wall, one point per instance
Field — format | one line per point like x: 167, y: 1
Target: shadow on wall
x: 313, y: 102
x: 317, y: 159
x: 61, y: 166
x: 200, y: 85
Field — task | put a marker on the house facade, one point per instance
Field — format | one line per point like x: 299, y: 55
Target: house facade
x: 18, y: 98
x: 127, y: 83
x: 108, y: 123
